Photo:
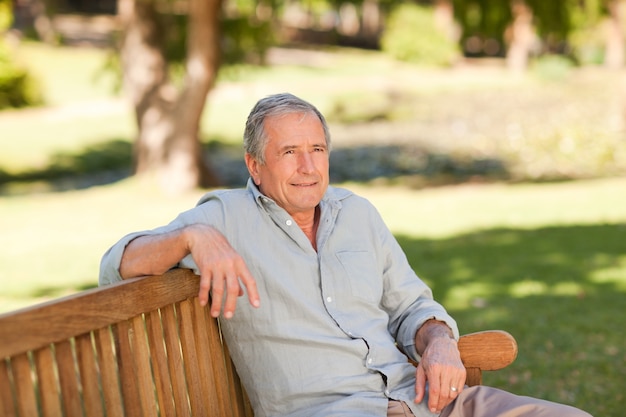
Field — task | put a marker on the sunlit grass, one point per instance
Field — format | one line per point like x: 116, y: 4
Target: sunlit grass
x: 474, y: 206
x: 55, y: 240
x: 87, y: 80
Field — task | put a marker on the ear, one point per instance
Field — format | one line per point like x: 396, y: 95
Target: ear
x: 253, y: 168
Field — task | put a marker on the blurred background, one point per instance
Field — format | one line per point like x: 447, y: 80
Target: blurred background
x: 490, y: 134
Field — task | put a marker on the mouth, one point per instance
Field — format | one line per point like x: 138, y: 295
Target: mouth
x: 305, y: 184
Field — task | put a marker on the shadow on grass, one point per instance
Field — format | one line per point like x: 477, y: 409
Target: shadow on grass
x: 560, y: 291
x: 111, y: 161
x: 60, y: 290
x: 410, y: 164
x: 99, y: 164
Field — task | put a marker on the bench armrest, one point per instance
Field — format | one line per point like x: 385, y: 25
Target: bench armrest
x: 488, y: 350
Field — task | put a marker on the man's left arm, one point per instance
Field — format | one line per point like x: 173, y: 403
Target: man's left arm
x: 440, y: 365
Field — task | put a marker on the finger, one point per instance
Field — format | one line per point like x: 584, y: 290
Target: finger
x: 454, y: 391
x: 459, y: 385
x: 434, y: 393
x: 217, y: 293
x: 420, y: 384
x: 449, y: 392
x: 205, y: 287
x: 457, y: 381
x: 233, y: 289
x: 250, y: 283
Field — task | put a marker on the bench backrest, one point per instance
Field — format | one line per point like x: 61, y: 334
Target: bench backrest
x: 144, y: 347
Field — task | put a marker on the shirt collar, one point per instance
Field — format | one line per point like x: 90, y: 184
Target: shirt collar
x: 332, y: 196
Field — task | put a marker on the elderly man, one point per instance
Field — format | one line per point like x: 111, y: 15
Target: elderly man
x: 334, y: 307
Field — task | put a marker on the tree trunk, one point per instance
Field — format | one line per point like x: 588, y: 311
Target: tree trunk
x: 168, y: 146
x: 444, y: 19
x: 614, y: 53
x: 520, y: 36
x: 371, y: 20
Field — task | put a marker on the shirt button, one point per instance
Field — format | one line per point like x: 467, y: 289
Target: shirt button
x: 288, y: 222
x: 387, y: 392
x: 329, y: 299
x: 369, y: 361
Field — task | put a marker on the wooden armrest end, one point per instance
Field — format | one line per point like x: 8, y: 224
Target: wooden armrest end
x: 488, y: 350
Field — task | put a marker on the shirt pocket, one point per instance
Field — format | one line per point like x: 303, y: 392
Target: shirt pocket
x: 363, y: 275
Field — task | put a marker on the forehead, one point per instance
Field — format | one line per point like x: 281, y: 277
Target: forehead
x: 290, y: 118
x: 292, y: 126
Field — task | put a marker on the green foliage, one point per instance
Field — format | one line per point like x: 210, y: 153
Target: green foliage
x: 555, y: 21
x: 486, y: 19
x: 244, y: 40
x: 586, y: 38
x: 552, y: 20
x: 6, y: 15
x: 411, y: 35
x: 18, y: 88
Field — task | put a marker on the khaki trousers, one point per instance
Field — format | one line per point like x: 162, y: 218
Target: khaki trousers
x: 482, y: 401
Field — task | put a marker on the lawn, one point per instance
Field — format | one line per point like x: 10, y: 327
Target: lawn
x: 545, y: 261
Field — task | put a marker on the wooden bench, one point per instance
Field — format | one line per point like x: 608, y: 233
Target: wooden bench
x: 144, y: 347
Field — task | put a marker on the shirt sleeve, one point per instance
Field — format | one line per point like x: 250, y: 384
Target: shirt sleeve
x: 407, y: 299
x: 209, y: 211
x: 112, y: 258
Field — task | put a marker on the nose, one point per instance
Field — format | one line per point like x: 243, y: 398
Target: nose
x: 305, y: 163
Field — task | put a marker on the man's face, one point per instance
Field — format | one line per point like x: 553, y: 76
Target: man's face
x: 295, y: 173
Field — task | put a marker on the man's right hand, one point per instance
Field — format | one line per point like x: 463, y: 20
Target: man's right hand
x: 222, y: 270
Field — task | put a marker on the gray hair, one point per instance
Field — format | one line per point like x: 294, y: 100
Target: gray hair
x: 254, y: 137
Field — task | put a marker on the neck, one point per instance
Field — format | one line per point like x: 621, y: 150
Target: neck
x: 309, y: 224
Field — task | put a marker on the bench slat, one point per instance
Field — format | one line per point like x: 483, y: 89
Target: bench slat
x: 24, y: 387
x: 126, y: 368
x: 108, y: 372
x: 159, y: 363
x: 206, y: 357
x: 7, y: 404
x: 48, y: 388
x: 175, y: 361
x: 190, y: 360
x: 89, y: 376
x: 68, y: 378
x: 144, y: 379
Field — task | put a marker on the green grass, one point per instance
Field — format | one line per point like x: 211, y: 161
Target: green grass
x: 68, y: 75
x: 544, y: 261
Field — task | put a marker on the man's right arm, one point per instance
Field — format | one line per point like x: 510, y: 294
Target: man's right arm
x: 153, y: 254
x: 222, y: 269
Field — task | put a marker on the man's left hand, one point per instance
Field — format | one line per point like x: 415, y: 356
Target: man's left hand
x: 442, y: 368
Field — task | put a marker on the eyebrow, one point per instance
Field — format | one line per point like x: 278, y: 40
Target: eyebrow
x: 291, y: 147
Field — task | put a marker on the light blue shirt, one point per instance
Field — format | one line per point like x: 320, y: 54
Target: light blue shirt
x: 328, y: 336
